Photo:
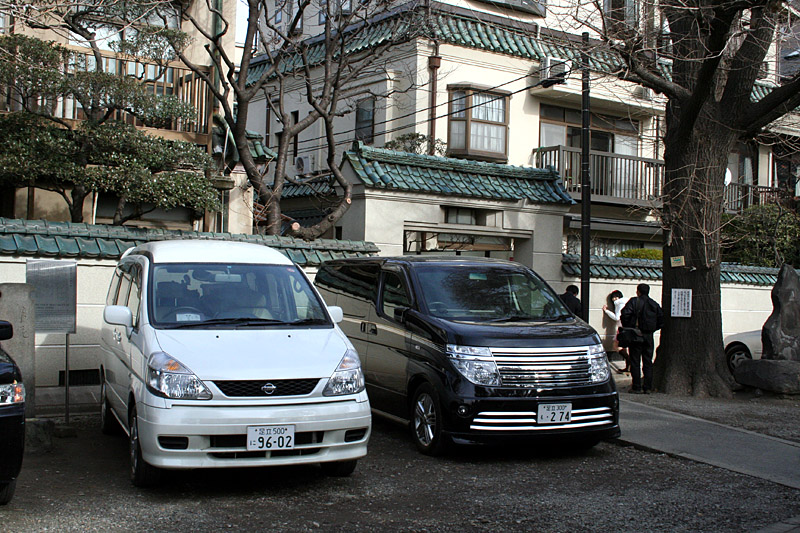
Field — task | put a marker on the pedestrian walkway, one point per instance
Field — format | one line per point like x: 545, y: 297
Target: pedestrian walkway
x: 739, y: 450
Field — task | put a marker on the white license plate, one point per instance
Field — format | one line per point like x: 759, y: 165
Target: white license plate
x: 270, y: 438
x: 554, y: 413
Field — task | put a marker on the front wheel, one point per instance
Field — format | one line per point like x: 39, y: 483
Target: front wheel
x: 426, y: 421
x: 7, y: 491
x: 142, y: 473
x: 339, y: 468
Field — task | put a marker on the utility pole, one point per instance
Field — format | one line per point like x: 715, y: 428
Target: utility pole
x: 586, y: 189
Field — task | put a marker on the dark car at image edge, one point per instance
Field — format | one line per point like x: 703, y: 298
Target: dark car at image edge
x: 12, y: 419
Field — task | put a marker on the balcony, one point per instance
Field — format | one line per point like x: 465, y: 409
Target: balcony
x: 740, y: 196
x: 173, y: 79
x: 616, y: 179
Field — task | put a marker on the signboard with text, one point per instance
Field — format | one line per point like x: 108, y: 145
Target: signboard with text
x: 54, y: 294
x: 681, y: 303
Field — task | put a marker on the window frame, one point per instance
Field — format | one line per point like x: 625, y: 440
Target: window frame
x: 468, y: 152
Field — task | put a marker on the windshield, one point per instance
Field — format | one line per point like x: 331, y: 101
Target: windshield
x: 487, y: 293
x: 219, y: 294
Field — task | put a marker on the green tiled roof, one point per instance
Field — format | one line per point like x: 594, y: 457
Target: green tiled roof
x: 387, y: 169
x: 316, y: 187
x: 648, y: 269
x: 67, y: 239
x: 448, y: 25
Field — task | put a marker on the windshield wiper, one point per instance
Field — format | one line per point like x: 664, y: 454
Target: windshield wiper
x: 514, y: 318
x: 239, y: 321
x: 308, y: 322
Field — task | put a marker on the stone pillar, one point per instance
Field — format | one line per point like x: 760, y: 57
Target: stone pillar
x: 16, y: 306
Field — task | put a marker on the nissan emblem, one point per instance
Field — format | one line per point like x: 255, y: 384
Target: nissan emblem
x: 269, y: 388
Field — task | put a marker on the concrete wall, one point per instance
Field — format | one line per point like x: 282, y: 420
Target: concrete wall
x: 744, y: 307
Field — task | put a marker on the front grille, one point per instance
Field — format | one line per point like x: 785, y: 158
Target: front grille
x: 283, y: 387
x: 543, y: 368
x: 526, y: 420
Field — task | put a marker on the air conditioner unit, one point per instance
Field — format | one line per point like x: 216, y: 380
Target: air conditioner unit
x: 643, y: 93
x: 304, y: 164
x: 554, y: 68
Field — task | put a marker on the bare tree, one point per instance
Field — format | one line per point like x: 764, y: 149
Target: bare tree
x: 324, y: 67
x: 705, y: 56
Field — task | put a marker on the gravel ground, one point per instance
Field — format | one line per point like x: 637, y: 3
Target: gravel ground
x: 82, y: 485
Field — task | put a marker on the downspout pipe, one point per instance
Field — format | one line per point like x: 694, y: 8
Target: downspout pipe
x: 434, y: 62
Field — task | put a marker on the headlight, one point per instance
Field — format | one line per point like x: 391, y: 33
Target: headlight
x: 168, y: 378
x: 12, y: 393
x: 474, y: 363
x: 598, y: 364
x: 347, y: 378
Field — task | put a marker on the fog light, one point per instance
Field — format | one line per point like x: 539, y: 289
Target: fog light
x: 462, y: 410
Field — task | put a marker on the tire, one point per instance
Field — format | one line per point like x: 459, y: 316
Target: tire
x: 426, y: 421
x: 735, y: 354
x: 339, y: 468
x: 108, y: 423
x: 7, y: 491
x: 142, y: 473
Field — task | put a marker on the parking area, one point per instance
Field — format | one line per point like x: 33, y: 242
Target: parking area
x: 82, y: 485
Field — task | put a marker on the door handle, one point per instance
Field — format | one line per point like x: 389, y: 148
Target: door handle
x: 369, y: 328
x: 117, y: 336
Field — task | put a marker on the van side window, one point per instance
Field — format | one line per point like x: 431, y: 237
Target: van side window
x: 124, y: 288
x: 111, y: 298
x: 135, y: 297
x: 394, y: 294
x: 357, y: 281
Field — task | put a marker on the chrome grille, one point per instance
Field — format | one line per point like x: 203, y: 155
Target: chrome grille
x: 543, y: 368
x: 526, y: 420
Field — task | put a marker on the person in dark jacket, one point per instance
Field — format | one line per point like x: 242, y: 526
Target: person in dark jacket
x: 644, y: 313
x: 571, y: 300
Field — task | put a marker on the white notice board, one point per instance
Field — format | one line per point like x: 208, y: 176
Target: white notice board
x: 681, y: 303
x: 54, y: 294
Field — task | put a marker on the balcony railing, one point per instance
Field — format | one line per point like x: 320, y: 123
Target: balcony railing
x: 614, y: 176
x: 739, y: 196
x: 174, y: 80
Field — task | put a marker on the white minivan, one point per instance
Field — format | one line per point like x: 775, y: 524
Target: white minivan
x: 222, y: 354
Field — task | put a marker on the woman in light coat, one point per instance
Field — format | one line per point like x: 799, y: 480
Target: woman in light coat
x: 619, y: 302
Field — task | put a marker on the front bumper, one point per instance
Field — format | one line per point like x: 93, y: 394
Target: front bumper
x: 595, y: 416
x: 214, y: 436
x: 12, y: 441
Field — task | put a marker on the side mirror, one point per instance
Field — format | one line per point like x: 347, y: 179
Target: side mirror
x: 400, y: 313
x: 6, y: 330
x: 119, y: 315
x: 336, y: 313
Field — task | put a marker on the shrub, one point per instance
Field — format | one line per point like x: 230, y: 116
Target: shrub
x: 643, y: 253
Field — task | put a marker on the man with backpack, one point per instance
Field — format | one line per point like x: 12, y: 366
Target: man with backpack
x: 643, y: 313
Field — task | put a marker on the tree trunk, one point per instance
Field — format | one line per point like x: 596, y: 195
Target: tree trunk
x: 78, y: 195
x: 691, y: 361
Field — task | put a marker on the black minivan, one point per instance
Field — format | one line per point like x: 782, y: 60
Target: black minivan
x: 12, y: 419
x: 472, y: 350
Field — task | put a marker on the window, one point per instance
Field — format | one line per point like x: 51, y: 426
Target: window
x: 135, y: 297
x: 323, y: 12
x: 460, y: 215
x: 365, y: 120
x: 278, y: 11
x: 478, y: 124
x: 562, y: 127
x: 621, y: 11
x: 394, y: 295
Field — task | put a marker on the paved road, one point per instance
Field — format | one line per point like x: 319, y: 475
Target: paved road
x: 739, y: 450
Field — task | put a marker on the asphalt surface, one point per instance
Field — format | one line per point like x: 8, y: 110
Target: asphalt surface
x: 82, y: 485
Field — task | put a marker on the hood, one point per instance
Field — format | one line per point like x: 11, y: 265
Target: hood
x: 573, y: 332
x: 256, y: 353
